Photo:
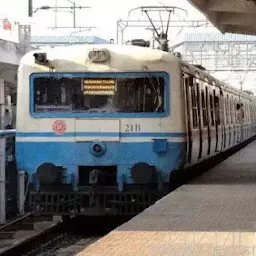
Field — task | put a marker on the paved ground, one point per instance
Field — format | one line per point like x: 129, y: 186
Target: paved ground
x: 213, y: 215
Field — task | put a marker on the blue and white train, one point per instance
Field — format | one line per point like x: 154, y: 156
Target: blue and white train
x: 101, y: 129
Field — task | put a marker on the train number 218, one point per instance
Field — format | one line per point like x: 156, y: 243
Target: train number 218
x: 132, y: 128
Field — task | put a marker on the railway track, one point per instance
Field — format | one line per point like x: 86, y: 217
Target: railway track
x: 56, y: 238
x: 45, y: 242
x: 22, y: 229
x: 69, y: 247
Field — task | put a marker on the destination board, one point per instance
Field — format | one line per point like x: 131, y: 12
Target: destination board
x: 51, y: 108
x: 99, y: 86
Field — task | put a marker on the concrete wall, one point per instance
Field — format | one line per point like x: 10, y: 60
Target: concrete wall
x: 10, y: 53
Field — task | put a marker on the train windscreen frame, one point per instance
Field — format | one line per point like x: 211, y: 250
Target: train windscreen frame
x: 99, y: 94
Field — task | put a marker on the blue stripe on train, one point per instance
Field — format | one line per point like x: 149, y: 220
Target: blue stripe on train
x: 30, y: 155
x: 101, y: 134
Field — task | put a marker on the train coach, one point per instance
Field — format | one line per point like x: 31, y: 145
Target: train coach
x: 101, y: 129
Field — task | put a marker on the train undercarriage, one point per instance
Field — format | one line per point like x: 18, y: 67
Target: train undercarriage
x: 95, y: 201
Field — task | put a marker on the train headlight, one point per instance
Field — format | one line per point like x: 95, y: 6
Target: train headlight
x: 96, y: 55
x: 97, y: 148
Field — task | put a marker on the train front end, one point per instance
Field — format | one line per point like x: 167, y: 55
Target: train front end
x: 94, y: 133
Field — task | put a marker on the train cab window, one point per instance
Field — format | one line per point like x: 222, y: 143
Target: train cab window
x: 131, y: 94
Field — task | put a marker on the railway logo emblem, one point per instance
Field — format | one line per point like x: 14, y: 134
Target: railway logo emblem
x: 59, y: 127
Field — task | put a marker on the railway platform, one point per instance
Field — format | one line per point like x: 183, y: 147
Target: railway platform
x: 215, y: 214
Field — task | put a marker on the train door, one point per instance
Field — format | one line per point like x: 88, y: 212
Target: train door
x: 216, y: 96
x: 222, y: 121
x: 238, y: 129
x: 192, y: 91
x: 242, y: 123
x: 254, y: 118
x: 198, y: 85
x: 211, y: 122
x: 232, y: 130
x: 187, y: 83
x: 196, y: 134
x: 227, y: 122
x: 250, y: 118
x: 240, y: 119
x: 192, y: 106
x: 245, y: 119
x: 204, y: 120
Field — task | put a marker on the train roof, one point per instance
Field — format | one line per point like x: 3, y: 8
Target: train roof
x: 78, y: 53
x: 203, y: 75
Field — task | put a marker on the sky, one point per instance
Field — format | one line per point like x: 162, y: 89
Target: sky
x: 103, y: 14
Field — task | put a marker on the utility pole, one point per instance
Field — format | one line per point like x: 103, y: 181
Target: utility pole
x: 74, y: 14
x: 2, y: 156
x: 30, y: 8
x: 56, y: 8
x: 74, y: 7
x: 56, y: 14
